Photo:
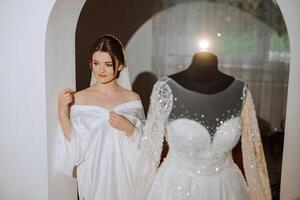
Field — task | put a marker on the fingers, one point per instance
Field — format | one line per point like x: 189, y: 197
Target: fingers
x: 68, y: 90
x: 113, y: 114
x: 66, y: 96
x: 114, y: 118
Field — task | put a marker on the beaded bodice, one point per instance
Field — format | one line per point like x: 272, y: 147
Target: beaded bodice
x: 203, y: 129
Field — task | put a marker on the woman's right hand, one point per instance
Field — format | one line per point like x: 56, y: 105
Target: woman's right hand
x: 65, y: 99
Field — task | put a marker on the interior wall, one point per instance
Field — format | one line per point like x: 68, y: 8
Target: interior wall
x: 290, y: 178
x: 138, y: 51
x: 23, y: 135
x: 60, y: 74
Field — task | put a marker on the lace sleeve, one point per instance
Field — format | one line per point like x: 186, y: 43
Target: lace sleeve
x: 253, y: 154
x: 152, y: 140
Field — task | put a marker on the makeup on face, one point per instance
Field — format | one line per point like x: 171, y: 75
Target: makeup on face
x: 102, y: 66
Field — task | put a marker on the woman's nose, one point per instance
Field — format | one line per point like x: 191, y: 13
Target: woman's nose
x: 102, y: 68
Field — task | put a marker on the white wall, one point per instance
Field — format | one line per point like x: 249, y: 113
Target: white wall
x: 290, y: 181
x: 23, y: 141
x: 60, y: 73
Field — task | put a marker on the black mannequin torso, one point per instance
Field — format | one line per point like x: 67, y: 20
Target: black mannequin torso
x: 203, y: 76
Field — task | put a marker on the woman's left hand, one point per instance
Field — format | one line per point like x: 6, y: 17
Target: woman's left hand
x: 121, y: 123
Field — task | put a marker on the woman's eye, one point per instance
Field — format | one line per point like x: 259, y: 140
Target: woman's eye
x: 109, y: 65
x: 95, y: 63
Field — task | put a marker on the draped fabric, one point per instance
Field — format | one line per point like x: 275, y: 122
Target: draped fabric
x: 105, y: 157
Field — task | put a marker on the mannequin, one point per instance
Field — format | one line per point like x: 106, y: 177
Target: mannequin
x: 203, y: 75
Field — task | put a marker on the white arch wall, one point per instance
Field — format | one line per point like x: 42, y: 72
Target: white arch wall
x: 24, y: 122
x: 60, y: 73
x: 23, y: 139
x: 290, y: 181
x: 29, y: 89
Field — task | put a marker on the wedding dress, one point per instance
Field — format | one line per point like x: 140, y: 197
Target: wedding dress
x: 199, y: 163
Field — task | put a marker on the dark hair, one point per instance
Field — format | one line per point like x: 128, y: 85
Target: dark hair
x: 111, y: 45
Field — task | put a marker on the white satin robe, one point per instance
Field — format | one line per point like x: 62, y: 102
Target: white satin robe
x: 104, y: 156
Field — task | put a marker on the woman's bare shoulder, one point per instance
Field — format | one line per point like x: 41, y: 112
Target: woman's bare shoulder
x: 131, y: 95
x: 81, y: 96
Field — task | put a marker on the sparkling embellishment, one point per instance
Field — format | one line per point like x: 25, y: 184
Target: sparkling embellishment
x: 144, y: 138
x: 217, y: 169
x: 179, y: 188
x: 187, y: 194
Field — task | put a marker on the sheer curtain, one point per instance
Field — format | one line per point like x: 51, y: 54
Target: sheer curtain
x: 246, y: 47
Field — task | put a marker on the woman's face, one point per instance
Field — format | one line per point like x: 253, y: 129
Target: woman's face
x: 102, y: 66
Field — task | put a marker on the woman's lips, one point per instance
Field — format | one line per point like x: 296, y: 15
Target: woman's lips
x: 102, y: 76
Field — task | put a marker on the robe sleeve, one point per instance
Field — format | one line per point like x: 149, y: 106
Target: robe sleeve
x: 139, y: 122
x: 71, y: 153
x: 150, y: 146
x: 253, y: 155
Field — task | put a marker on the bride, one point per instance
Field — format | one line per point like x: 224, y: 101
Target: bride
x: 100, y: 126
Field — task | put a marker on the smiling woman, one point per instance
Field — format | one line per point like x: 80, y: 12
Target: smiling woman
x: 101, y: 127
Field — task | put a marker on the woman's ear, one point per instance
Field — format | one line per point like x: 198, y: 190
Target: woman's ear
x: 120, y: 67
x: 90, y: 66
